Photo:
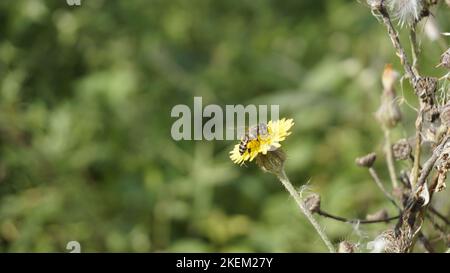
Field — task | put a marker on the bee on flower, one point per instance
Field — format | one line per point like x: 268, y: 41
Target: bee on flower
x: 260, y: 140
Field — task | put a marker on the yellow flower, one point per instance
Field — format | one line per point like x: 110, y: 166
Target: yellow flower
x: 277, y: 131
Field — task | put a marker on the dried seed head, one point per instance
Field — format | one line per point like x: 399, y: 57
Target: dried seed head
x: 434, y: 134
x: 445, y: 59
x: 429, y: 135
x: 425, y: 88
x: 405, y: 11
x: 442, y: 166
x: 426, y: 85
x: 447, y: 2
x: 445, y: 114
x: 366, y: 161
x: 388, y: 242
x: 401, y: 149
x: 389, y: 114
x: 346, y: 247
x: 375, y: 4
x: 433, y: 114
x: 441, y: 183
x: 272, y: 162
x: 312, y: 203
x: 378, y: 216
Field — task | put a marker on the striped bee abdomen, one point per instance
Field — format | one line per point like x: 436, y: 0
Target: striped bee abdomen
x: 243, y: 144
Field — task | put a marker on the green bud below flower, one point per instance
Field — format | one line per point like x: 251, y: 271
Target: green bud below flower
x: 272, y: 162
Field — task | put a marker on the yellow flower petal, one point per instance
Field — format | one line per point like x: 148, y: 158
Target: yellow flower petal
x: 250, y: 154
x: 235, y: 156
x: 277, y: 132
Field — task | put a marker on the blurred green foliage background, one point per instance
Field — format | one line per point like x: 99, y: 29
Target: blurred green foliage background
x: 85, y: 100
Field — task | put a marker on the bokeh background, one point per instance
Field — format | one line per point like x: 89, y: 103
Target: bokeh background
x: 85, y: 100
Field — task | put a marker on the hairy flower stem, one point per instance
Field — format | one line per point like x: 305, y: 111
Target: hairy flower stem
x: 390, y: 158
x: 301, y: 204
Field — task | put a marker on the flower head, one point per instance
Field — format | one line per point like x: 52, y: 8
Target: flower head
x: 389, y: 114
x: 277, y: 131
x: 390, y: 76
x: 366, y: 161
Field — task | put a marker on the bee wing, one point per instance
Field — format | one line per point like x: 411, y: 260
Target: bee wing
x: 262, y: 130
x: 253, y: 132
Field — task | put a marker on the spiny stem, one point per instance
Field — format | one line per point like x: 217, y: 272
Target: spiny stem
x: 294, y: 193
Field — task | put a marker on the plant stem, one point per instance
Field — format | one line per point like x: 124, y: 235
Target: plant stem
x: 428, y: 165
x: 397, y: 45
x: 419, y: 119
x: 415, y: 170
x: 414, y: 47
x: 438, y: 214
x: 390, y: 158
x: 355, y: 221
x: 377, y: 180
x: 442, y: 232
x: 294, y: 193
x: 425, y: 242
